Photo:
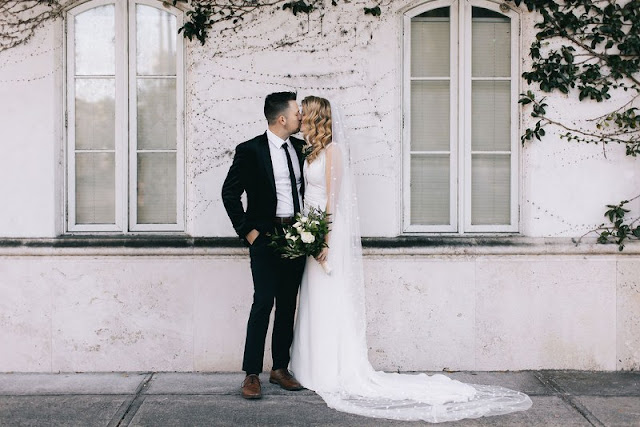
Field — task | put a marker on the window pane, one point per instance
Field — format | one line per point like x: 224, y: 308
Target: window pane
x: 430, y: 45
x: 491, y: 44
x: 491, y: 189
x: 430, y: 116
x: 491, y: 116
x: 156, y: 41
x: 95, y: 188
x: 157, y: 188
x: 95, y: 114
x: 430, y: 189
x: 95, y: 41
x: 156, y: 114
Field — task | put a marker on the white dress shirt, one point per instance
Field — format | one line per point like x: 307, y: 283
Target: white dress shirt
x: 284, y: 208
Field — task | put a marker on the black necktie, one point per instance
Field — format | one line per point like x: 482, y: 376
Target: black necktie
x: 292, y: 178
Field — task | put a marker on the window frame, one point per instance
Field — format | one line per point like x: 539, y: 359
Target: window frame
x: 133, y: 137
x: 125, y: 116
x: 460, y: 124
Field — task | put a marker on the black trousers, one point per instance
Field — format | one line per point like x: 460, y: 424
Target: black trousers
x: 275, y: 279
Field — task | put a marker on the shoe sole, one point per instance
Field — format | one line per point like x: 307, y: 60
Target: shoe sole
x: 252, y: 397
x: 284, y: 388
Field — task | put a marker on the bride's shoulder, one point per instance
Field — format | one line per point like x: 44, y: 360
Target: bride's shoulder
x: 330, y: 147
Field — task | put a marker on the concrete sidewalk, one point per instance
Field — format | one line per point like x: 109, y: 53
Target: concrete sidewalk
x: 560, y: 398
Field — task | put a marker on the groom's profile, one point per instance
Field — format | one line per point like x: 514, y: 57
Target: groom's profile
x: 268, y: 168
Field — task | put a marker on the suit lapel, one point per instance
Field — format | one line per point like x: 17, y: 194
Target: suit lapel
x: 297, y: 145
x: 265, y: 156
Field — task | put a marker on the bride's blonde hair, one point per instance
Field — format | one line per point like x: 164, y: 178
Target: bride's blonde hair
x: 317, y: 118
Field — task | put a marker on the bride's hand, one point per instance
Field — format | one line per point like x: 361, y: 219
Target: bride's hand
x: 322, y: 256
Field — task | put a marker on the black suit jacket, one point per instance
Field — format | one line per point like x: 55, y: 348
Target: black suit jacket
x: 252, y: 172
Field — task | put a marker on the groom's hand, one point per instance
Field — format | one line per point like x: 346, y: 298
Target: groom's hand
x: 252, y: 236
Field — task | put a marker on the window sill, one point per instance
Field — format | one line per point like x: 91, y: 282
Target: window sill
x: 171, y: 245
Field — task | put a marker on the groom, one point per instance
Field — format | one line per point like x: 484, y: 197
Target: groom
x: 268, y: 168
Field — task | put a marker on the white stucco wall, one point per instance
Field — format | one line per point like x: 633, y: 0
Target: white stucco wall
x: 185, y: 310
x: 31, y: 124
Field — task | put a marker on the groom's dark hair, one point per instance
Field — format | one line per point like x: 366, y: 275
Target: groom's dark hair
x: 276, y: 104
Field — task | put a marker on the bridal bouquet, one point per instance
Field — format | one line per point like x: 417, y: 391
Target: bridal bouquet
x: 305, y: 237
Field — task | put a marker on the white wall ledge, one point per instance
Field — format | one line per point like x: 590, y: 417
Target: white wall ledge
x: 171, y: 245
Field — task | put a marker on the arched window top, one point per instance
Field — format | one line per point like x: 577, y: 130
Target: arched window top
x: 422, y: 7
x: 77, y: 9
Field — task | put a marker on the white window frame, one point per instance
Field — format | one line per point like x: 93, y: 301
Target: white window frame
x: 125, y: 119
x: 460, y: 125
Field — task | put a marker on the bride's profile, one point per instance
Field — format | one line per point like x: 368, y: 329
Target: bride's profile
x: 329, y: 353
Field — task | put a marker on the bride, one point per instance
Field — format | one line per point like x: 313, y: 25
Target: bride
x: 329, y: 354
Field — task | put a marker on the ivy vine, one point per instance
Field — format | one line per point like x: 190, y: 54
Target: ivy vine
x: 20, y: 19
x: 203, y: 15
x: 589, y: 47
x: 621, y: 228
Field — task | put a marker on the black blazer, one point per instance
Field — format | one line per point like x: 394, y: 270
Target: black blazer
x: 252, y: 172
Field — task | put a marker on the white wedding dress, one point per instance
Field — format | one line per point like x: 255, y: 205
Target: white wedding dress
x: 329, y: 351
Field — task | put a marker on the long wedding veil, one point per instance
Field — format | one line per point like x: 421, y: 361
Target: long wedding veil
x: 363, y: 390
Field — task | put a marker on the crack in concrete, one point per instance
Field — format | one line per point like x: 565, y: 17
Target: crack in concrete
x: 129, y: 407
x: 569, y: 399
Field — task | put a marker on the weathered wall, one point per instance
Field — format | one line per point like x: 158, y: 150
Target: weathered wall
x: 31, y: 123
x: 184, y: 310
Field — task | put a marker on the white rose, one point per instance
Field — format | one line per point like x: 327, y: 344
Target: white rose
x: 307, y: 237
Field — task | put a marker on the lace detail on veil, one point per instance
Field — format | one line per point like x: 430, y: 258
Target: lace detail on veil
x: 329, y: 353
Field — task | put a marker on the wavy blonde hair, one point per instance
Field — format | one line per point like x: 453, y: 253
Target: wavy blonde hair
x: 316, y: 113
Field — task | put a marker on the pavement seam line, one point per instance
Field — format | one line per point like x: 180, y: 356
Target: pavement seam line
x: 569, y: 399
x: 130, y: 406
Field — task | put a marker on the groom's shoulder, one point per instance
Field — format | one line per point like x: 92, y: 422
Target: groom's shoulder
x: 255, y: 140
x: 252, y: 143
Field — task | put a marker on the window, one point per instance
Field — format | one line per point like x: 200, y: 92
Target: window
x: 124, y: 117
x: 460, y: 120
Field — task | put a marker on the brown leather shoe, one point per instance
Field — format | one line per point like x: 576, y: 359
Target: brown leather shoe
x: 284, y: 379
x: 251, y: 387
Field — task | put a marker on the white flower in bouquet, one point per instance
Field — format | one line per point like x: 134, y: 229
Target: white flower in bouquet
x: 307, y: 237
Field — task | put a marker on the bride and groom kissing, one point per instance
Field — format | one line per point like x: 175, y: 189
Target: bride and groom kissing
x: 326, y: 348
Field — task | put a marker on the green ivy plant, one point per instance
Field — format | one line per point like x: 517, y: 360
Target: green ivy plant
x: 590, y: 47
x: 204, y: 14
x: 620, y: 228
